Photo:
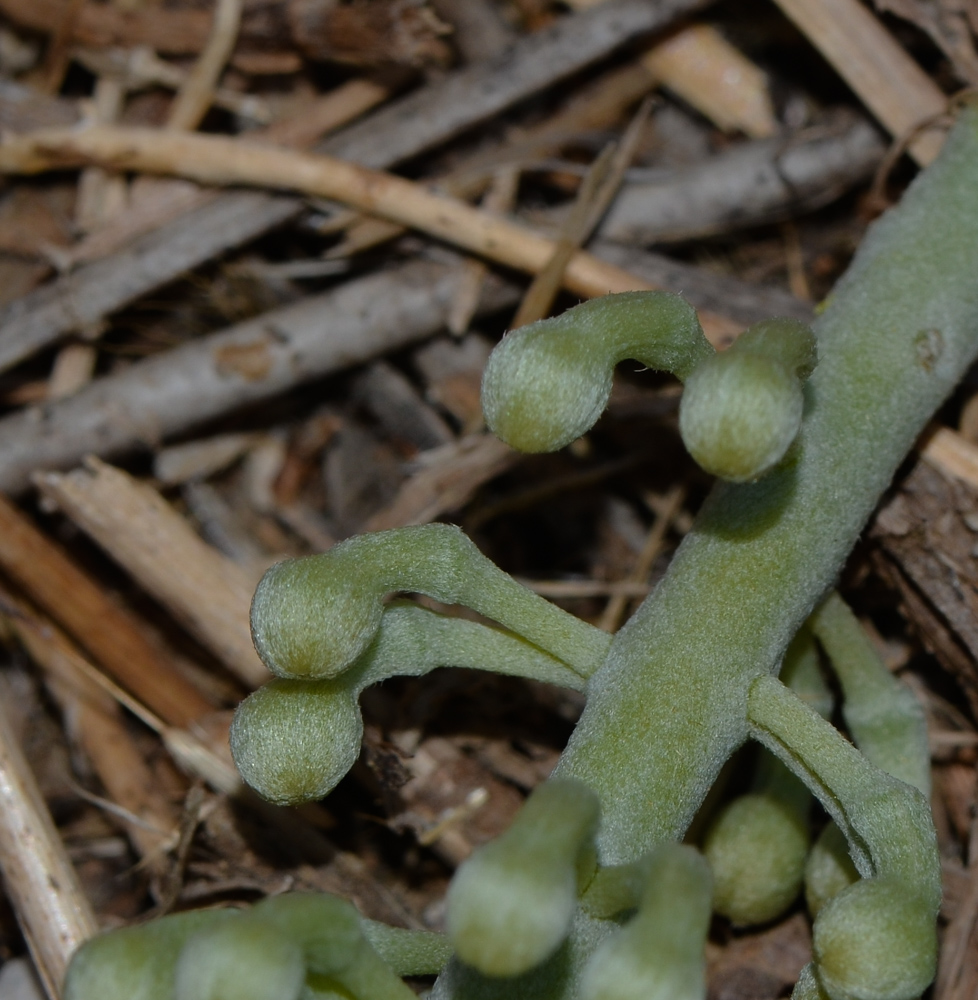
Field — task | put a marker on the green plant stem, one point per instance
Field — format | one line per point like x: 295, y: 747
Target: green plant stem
x: 668, y: 706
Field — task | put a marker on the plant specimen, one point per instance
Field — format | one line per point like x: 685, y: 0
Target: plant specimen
x: 590, y: 894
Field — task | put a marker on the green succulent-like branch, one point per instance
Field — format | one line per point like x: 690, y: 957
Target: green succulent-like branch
x: 591, y: 878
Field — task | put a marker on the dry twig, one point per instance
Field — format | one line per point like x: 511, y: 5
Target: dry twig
x: 137, y: 527
x: 197, y: 91
x: 110, y: 633
x: 40, y: 880
x: 869, y: 59
x: 217, y: 160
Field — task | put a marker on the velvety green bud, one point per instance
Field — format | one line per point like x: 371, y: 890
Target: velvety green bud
x: 547, y: 383
x: 314, y: 617
x: 742, y: 409
x: 136, y: 963
x: 511, y: 903
x: 241, y: 959
x: 871, y: 942
x: 658, y: 955
x: 828, y: 868
x: 739, y: 415
x: 293, y: 741
x: 756, y: 848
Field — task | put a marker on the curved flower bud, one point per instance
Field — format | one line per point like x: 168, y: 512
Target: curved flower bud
x: 293, y: 740
x: 758, y: 844
x: 742, y: 409
x: 548, y: 382
x: 756, y: 848
x: 877, y: 939
x: 658, y: 954
x: 313, y: 617
x: 511, y: 903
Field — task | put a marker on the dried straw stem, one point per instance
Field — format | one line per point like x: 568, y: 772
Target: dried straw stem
x: 221, y: 161
x: 40, y: 881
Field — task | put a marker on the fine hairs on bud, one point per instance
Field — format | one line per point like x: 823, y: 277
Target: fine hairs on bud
x: 742, y: 409
x: 757, y: 849
x: 511, y: 904
x: 547, y: 383
x: 658, y: 954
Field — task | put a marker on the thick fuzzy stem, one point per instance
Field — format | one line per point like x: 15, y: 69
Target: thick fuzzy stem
x: 669, y: 705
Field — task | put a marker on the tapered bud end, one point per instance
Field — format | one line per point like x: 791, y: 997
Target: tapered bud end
x: 658, y: 955
x: 541, y: 391
x: 293, y: 741
x: 510, y: 905
x: 239, y: 959
x: 756, y: 848
x: 876, y: 940
x: 739, y: 414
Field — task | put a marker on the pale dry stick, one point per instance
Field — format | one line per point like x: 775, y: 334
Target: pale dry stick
x: 197, y: 92
x: 325, y: 114
x: 951, y: 453
x: 672, y: 503
x: 705, y: 70
x: 596, y: 106
x: 499, y: 199
x: 540, y: 295
x: 110, y: 633
x: 709, y: 73
x: 73, y: 367
x: 475, y: 94
x: 101, y: 193
x: 102, y: 733
x: 404, y: 128
x: 749, y: 183
x: 204, y: 589
x: 596, y: 193
x: 446, y: 485
x: 40, y: 881
x: 216, y: 160
x: 187, y: 749
x: 887, y: 80
x: 142, y: 67
x: 246, y: 363
x: 696, y: 62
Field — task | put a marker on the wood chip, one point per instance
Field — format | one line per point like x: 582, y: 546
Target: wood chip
x: 136, y: 526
